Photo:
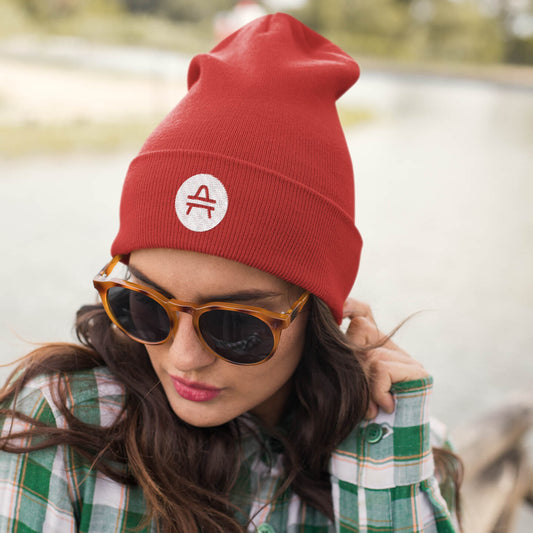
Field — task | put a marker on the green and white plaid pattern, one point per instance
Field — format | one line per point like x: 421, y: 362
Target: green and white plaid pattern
x: 382, y: 475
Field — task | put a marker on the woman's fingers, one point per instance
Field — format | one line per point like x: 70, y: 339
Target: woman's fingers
x: 372, y: 410
x: 363, y: 331
x: 386, y: 364
x: 353, y: 308
x: 386, y: 353
x: 386, y: 367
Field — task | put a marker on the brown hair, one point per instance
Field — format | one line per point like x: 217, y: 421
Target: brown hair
x: 186, y: 488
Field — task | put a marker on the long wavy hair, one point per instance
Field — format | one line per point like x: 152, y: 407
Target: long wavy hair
x: 187, y: 485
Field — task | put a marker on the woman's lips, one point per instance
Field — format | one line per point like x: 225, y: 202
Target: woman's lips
x: 195, y: 392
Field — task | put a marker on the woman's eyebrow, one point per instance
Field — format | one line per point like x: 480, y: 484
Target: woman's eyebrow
x: 246, y: 295
x: 250, y: 295
x: 146, y: 280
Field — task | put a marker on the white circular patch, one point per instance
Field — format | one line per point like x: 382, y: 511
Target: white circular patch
x: 201, y: 202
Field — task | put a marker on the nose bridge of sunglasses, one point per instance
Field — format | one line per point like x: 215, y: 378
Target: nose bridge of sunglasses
x: 178, y: 307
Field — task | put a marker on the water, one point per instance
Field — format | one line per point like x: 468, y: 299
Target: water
x: 444, y: 192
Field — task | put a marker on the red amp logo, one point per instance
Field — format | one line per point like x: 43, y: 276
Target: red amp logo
x: 201, y: 202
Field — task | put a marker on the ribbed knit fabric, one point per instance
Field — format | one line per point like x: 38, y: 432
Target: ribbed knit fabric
x: 260, y: 117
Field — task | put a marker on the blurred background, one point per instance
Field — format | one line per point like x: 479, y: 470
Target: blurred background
x: 440, y: 127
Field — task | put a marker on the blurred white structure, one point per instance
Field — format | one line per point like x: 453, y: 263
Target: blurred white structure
x: 226, y: 22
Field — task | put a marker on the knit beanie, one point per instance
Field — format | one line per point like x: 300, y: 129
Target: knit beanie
x: 252, y: 164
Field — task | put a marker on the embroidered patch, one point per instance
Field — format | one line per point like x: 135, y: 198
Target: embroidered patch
x: 201, y: 202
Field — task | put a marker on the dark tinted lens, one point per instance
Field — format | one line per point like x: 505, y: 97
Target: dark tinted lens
x: 236, y: 336
x: 138, y: 314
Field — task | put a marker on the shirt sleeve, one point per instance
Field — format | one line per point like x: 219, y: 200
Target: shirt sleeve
x: 383, y: 475
x: 55, y: 489
x: 34, y: 490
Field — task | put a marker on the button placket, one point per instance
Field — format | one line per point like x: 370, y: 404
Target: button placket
x: 374, y: 433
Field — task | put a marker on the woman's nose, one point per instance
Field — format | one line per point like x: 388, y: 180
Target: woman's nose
x: 186, y: 350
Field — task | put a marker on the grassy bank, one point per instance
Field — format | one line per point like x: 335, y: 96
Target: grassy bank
x: 111, y: 26
x: 19, y: 140
x: 38, y: 138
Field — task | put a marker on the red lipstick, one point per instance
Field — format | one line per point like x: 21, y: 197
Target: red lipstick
x: 195, y: 392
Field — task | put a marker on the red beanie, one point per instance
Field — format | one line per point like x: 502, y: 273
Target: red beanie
x: 252, y: 164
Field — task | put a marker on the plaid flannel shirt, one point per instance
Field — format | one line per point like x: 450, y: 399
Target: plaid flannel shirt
x: 382, y: 475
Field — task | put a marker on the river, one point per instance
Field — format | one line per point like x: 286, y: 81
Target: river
x: 444, y: 193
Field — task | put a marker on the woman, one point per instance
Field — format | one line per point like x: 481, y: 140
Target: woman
x: 248, y: 412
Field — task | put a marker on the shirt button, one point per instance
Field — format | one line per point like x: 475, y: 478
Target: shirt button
x: 373, y: 433
x: 265, y: 528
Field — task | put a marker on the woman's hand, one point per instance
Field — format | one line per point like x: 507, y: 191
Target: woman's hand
x: 385, y: 365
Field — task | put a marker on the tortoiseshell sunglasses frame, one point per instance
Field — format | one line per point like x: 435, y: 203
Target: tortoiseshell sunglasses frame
x: 275, y: 321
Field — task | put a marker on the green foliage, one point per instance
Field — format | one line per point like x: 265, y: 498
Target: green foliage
x: 43, y: 10
x: 414, y: 30
x: 409, y: 29
x: 49, y: 8
x: 143, y: 6
x: 106, y: 21
x: 193, y: 10
x: 186, y: 10
x: 459, y: 32
x: 357, y: 16
x: 48, y: 11
x: 12, y: 18
x: 520, y: 51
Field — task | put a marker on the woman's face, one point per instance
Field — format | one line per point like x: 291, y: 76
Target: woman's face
x: 202, y: 389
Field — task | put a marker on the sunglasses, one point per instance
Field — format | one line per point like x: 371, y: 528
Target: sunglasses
x: 239, y: 334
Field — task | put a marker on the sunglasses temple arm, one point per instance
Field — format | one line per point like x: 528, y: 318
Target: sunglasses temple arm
x: 110, y: 266
x: 298, y: 306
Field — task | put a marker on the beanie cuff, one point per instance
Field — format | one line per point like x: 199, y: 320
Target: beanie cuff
x: 323, y: 260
